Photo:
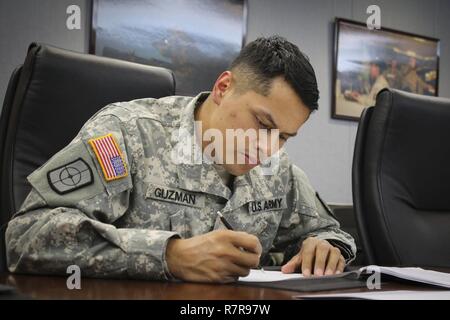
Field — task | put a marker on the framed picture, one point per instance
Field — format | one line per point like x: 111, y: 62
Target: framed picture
x: 366, y: 61
x: 196, y: 39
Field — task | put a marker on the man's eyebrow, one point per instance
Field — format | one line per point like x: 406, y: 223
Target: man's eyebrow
x: 269, y: 118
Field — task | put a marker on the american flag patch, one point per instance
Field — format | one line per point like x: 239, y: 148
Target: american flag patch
x: 109, y: 156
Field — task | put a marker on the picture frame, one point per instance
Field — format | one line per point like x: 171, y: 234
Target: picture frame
x: 196, y: 39
x: 366, y: 61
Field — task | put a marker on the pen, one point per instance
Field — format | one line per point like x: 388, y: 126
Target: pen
x: 229, y: 227
x: 224, y: 221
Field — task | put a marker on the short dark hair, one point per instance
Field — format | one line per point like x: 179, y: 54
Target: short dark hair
x: 264, y: 59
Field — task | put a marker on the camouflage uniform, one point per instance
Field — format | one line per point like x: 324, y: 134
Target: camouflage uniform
x: 120, y: 227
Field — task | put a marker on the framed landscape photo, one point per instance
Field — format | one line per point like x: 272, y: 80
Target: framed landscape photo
x: 366, y: 61
x: 196, y: 39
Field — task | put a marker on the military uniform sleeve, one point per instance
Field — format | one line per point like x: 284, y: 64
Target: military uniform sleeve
x: 70, y: 215
x: 308, y: 216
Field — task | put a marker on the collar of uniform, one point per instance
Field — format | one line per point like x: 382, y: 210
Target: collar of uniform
x: 203, y: 177
x: 200, y: 177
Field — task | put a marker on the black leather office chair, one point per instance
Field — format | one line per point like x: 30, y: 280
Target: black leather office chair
x: 49, y: 98
x: 401, y: 180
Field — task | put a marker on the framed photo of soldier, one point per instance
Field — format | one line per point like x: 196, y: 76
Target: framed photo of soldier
x: 366, y: 61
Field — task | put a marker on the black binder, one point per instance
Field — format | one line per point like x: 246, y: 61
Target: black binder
x: 346, y: 280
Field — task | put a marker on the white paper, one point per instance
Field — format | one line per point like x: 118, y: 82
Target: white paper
x: 415, y: 274
x: 384, y: 295
x: 257, y: 275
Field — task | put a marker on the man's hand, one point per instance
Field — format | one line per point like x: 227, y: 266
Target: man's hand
x: 316, y: 257
x: 217, y: 256
x: 352, y: 95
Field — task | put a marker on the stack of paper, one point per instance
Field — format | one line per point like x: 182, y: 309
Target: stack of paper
x: 269, y: 276
x: 440, y: 279
x: 413, y: 274
x: 384, y: 295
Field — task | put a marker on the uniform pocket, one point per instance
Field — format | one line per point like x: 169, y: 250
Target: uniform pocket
x: 306, y: 210
x: 183, y: 210
x: 258, y: 227
x: 301, y: 214
x: 262, y: 225
x: 252, y: 224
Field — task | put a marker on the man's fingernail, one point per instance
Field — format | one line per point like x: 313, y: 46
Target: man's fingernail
x: 329, y: 272
x: 306, y: 272
x: 318, y: 272
x: 338, y: 272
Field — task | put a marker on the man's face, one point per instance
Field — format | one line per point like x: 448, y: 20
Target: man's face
x: 374, y: 71
x: 282, y: 109
x: 412, y: 62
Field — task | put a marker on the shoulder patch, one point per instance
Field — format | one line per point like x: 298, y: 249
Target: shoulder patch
x: 70, y: 177
x: 109, y: 156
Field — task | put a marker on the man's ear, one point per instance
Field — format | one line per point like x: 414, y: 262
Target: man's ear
x: 221, y: 87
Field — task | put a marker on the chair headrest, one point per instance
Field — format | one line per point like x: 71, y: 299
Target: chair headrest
x: 410, y: 134
x: 58, y: 91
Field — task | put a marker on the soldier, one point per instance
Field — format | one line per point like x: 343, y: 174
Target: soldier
x: 411, y: 80
x: 117, y: 202
x: 376, y: 83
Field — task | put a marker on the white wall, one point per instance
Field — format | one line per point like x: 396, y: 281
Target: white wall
x: 324, y: 148
x: 25, y: 21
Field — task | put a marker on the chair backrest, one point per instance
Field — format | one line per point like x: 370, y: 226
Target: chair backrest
x: 401, y: 180
x: 48, y: 100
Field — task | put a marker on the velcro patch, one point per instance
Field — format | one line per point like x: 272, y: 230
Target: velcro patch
x: 267, y: 205
x: 110, y: 157
x: 70, y: 176
x: 176, y: 196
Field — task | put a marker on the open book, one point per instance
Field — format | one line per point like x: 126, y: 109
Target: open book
x: 382, y: 295
x: 351, y: 279
x: 296, y: 281
x: 435, y: 278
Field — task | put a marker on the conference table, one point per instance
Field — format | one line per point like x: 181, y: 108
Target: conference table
x: 55, y: 287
